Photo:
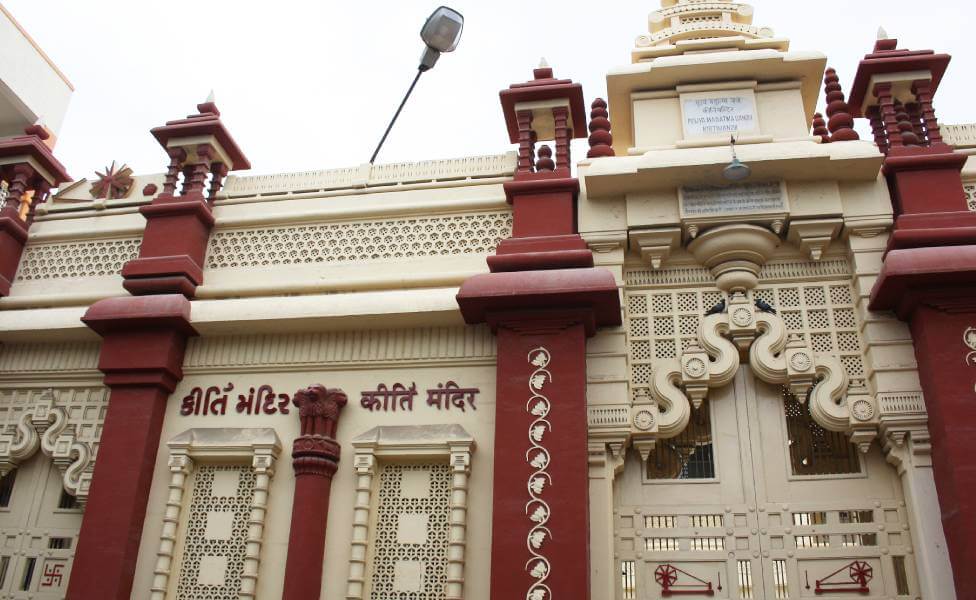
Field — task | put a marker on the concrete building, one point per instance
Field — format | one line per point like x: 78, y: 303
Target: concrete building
x: 729, y: 353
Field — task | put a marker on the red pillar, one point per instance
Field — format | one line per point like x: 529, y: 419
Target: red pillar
x: 928, y: 276
x: 315, y: 457
x: 142, y: 357
x: 542, y: 298
x: 19, y: 156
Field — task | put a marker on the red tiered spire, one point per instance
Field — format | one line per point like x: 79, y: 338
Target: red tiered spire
x: 820, y: 128
x: 840, y: 122
x: 601, y: 140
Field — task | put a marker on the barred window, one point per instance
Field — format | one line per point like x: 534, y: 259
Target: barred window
x: 813, y: 449
x: 689, y: 455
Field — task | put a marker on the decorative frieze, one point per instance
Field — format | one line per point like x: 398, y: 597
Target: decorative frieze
x: 694, y: 275
x: 311, y: 350
x: 359, y: 241
x: 49, y: 357
x: 70, y: 260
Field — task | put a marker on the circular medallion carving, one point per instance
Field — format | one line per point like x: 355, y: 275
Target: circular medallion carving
x: 742, y: 317
x: 862, y: 410
x: 695, y: 367
x: 801, y: 361
x: 644, y: 420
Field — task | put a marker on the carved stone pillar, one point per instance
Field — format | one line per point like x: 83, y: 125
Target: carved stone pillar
x: 141, y: 357
x: 315, y: 456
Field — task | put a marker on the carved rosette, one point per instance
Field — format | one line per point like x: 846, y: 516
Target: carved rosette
x: 315, y: 451
x: 775, y: 358
x: 538, y: 457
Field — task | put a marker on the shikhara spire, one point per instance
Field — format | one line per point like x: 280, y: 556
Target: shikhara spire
x: 699, y: 20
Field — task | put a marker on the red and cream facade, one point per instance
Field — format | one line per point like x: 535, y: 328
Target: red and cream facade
x: 527, y: 375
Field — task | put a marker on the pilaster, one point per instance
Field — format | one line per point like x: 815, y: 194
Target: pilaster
x: 141, y: 357
x: 315, y: 458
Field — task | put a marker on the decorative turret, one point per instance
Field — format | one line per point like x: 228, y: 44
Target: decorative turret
x: 28, y: 171
x: 840, y: 123
x: 601, y: 141
x: 179, y: 220
x: 820, y: 128
x: 681, y: 25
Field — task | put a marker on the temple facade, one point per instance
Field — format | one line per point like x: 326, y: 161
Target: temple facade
x: 729, y: 353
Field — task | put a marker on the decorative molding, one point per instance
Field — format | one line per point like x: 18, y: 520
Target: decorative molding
x: 392, y: 446
x: 49, y: 357
x: 310, y: 350
x: 655, y: 245
x: 608, y: 416
x: 960, y: 136
x: 539, y: 459
x: 64, y: 424
x: 364, y: 176
x: 258, y: 448
x: 692, y: 275
x: 72, y: 260
x: 359, y: 241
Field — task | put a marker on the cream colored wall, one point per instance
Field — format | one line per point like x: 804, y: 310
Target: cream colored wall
x: 658, y: 118
x: 426, y: 356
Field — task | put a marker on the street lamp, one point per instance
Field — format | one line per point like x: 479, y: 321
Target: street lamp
x: 441, y: 33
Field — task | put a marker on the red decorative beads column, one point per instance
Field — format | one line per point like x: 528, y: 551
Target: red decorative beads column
x: 26, y: 165
x: 141, y: 357
x: 542, y: 299
x: 315, y: 457
x: 928, y: 276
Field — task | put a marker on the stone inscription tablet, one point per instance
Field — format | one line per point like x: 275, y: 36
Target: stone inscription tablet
x: 704, y: 200
x: 717, y: 115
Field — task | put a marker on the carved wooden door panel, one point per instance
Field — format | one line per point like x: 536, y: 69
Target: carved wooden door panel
x: 38, y: 532
x: 769, y: 524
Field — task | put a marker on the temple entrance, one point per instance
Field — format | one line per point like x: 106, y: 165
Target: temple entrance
x: 755, y: 500
x: 39, y: 524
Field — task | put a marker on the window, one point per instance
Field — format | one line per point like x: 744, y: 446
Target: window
x: 67, y: 501
x: 813, y: 449
x: 704, y: 544
x: 744, y: 568
x: 661, y: 544
x: 7, y: 488
x: 688, y: 455
x: 901, y: 576
x: 628, y: 580
x: 781, y: 585
x: 659, y: 521
x: 810, y: 518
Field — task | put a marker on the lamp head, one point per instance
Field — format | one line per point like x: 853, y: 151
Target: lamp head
x: 441, y: 33
x: 735, y: 170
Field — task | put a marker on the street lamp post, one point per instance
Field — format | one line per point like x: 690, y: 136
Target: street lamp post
x: 441, y: 33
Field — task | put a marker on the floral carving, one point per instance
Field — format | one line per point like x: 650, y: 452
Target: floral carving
x: 969, y: 338
x: 538, y: 458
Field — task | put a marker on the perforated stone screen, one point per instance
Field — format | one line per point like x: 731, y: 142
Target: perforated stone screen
x: 411, y: 533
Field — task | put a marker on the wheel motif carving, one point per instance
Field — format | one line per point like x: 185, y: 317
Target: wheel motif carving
x: 666, y: 576
x: 695, y: 367
x: 644, y: 420
x: 801, y: 361
x: 742, y: 317
x: 862, y: 410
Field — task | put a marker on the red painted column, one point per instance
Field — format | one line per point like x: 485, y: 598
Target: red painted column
x: 948, y: 372
x: 142, y: 357
x: 540, y: 518
x: 542, y: 298
x: 315, y: 457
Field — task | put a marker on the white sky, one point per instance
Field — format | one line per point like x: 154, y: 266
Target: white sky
x: 309, y: 84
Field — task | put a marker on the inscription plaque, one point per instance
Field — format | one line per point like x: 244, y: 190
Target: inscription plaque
x: 715, y: 115
x: 758, y: 197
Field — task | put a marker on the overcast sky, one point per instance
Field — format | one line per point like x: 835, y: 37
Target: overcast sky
x: 312, y: 84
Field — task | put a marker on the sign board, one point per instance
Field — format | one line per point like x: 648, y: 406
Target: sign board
x: 715, y: 114
x: 742, y: 198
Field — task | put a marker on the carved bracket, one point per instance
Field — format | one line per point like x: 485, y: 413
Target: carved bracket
x: 47, y: 428
x: 744, y: 328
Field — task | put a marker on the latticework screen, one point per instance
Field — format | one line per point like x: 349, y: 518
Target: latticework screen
x: 411, y: 532
x: 215, y: 533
